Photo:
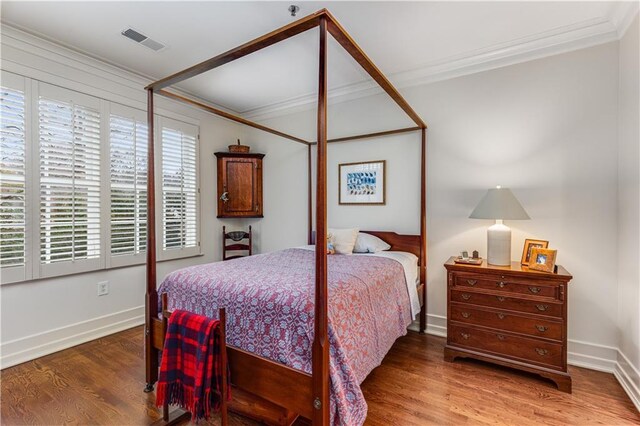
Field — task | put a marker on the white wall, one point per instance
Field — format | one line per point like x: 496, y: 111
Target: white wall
x: 629, y: 212
x: 42, y: 316
x: 284, y: 173
x: 286, y: 178
x: 545, y: 128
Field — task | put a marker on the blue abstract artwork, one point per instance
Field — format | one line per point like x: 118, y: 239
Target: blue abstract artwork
x: 361, y: 183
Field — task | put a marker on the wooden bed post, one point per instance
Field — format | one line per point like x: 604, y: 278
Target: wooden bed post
x: 310, y: 203
x: 423, y: 229
x: 151, y: 296
x: 320, y: 364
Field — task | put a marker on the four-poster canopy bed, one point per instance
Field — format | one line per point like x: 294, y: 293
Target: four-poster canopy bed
x: 264, y: 381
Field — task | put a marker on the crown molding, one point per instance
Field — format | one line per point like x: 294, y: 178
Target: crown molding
x: 52, y: 50
x: 622, y: 15
x: 556, y: 41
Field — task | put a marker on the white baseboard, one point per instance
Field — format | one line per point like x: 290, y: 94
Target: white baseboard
x: 31, y: 347
x: 436, y: 325
x: 592, y: 356
x: 629, y: 378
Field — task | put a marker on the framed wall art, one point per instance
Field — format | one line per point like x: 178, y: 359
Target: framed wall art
x: 362, y: 183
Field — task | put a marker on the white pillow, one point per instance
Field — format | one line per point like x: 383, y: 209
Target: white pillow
x: 343, y: 239
x: 367, y: 243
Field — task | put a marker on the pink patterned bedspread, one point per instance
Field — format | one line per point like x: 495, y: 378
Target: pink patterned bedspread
x: 269, y: 300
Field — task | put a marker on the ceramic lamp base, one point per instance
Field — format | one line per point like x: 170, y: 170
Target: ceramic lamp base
x: 499, y: 244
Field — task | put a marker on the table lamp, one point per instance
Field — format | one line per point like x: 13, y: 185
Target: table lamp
x: 499, y: 204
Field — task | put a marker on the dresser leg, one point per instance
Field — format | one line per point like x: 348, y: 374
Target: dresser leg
x: 449, y: 355
x: 562, y: 381
x: 564, y: 384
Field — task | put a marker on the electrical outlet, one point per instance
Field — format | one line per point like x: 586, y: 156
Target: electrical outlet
x: 103, y: 288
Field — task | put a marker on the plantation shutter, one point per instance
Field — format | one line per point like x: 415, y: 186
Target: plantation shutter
x: 179, y: 189
x: 69, y: 146
x: 12, y: 179
x: 128, y: 180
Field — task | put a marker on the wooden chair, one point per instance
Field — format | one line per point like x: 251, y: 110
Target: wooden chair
x: 237, y: 245
x: 178, y: 416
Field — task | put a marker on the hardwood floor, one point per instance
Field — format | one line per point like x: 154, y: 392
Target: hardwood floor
x: 101, y: 383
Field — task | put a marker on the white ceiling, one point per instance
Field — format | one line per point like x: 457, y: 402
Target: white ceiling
x: 400, y: 37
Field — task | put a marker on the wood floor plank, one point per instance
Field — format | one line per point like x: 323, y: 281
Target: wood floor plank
x: 101, y: 382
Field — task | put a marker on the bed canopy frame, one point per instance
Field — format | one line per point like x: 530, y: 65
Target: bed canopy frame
x: 296, y: 391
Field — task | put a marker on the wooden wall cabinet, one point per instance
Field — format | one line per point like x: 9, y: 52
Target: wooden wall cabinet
x: 239, y: 185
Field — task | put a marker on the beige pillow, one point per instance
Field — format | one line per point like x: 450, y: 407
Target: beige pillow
x: 343, y: 239
x: 367, y: 243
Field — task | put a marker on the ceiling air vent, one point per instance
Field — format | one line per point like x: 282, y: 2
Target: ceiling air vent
x: 142, y: 39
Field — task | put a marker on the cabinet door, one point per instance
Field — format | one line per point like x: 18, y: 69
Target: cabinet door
x: 241, y: 186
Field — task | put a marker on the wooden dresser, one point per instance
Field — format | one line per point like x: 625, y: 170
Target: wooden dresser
x: 510, y: 316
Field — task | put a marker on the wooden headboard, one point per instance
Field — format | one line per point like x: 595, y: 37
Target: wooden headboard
x: 398, y: 242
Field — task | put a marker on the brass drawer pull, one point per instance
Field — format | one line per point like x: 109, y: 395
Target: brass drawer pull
x: 542, y: 328
x: 465, y: 314
x: 542, y: 308
x: 500, y: 336
x: 501, y: 316
x: 542, y: 352
x: 535, y: 290
x: 501, y: 284
x: 466, y: 296
x: 465, y: 335
x: 472, y: 282
x: 500, y: 298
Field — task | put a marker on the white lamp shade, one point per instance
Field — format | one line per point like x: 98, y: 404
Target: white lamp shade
x: 501, y: 204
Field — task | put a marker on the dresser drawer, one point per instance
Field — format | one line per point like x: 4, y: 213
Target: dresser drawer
x: 505, y: 284
x: 553, y: 309
x: 507, y: 321
x: 506, y: 345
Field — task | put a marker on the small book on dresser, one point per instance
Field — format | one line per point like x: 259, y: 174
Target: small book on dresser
x: 509, y: 315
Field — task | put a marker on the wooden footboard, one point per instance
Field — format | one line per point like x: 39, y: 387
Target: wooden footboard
x: 286, y: 391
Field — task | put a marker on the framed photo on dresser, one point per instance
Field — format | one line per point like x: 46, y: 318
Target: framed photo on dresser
x: 529, y: 245
x: 542, y: 259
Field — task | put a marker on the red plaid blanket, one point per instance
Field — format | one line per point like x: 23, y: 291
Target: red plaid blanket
x: 191, y: 365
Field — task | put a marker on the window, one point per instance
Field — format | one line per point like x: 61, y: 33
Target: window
x: 179, y: 188
x: 128, y: 176
x: 69, y: 136
x: 12, y: 183
x: 73, y: 183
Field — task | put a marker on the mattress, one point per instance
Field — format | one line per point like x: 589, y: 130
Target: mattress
x: 269, y: 300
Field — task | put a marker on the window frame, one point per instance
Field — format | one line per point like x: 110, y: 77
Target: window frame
x: 160, y: 123
x: 33, y: 267
x: 54, y: 269
x: 12, y: 274
x: 117, y: 261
